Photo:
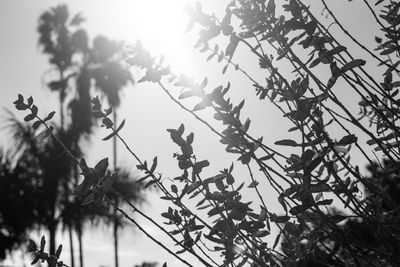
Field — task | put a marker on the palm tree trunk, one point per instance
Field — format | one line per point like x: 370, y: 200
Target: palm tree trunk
x: 80, y: 245
x: 115, y: 232
x: 52, y: 235
x: 116, y: 240
x: 71, y: 245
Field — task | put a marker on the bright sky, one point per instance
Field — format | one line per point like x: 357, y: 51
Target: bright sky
x: 160, y: 24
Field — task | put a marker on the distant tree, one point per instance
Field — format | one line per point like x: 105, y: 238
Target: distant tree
x: 17, y: 203
x: 74, y: 64
x: 111, y: 77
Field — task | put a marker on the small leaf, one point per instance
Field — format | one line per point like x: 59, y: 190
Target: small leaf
x: 36, y: 124
x: 154, y: 165
x: 348, y: 139
x: 49, y: 116
x: 58, y: 252
x: 20, y: 100
x: 278, y: 237
x: 189, y: 138
x: 34, y: 110
x: 29, y: 117
x: 325, y: 202
x: 98, y: 114
x: 186, y: 94
x: 225, y: 69
x: 286, y: 142
x: 101, y: 168
x: 42, y: 243
x: 353, y: 64
x: 30, y: 101
x: 174, y: 189
x: 32, y: 245
x: 115, y: 132
x: 35, y: 261
x: 253, y: 184
x: 21, y: 106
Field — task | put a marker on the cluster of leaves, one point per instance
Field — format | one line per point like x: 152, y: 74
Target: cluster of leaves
x: 317, y: 172
x: 40, y: 255
x: 21, y: 105
x: 321, y: 155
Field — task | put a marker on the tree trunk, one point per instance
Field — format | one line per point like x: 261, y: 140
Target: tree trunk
x: 116, y: 240
x: 71, y: 245
x: 52, y: 235
x: 115, y: 232
x: 80, y: 245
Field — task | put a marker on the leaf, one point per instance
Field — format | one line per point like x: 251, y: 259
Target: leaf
x: 42, y: 243
x: 224, y: 69
x: 29, y: 117
x: 347, y: 140
x: 98, y: 114
x: 107, y: 184
x: 154, y: 165
x: 324, y: 202
x: 58, y: 252
x: 36, y: 124
x: 142, y: 179
x: 233, y: 43
x: 101, y: 168
x: 181, y: 129
x: 49, y: 116
x: 21, y: 106
x: 20, y: 100
x: 186, y: 94
x: 291, y: 228
x: 35, y: 261
x: 32, y: 245
x: 84, y: 167
x: 278, y: 237
x: 320, y: 188
x: 286, y: 142
x: 115, y: 132
x: 189, y: 138
x: 353, y: 64
x: 298, y: 209
x: 34, y: 110
x: 174, y: 189
x: 253, y: 184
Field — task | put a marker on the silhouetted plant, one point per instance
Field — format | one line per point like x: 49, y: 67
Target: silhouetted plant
x: 17, y: 208
x: 312, y: 179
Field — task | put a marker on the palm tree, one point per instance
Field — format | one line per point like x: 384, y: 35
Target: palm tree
x: 110, y: 77
x: 50, y: 165
x: 17, y: 207
x: 62, y: 39
x: 102, y: 63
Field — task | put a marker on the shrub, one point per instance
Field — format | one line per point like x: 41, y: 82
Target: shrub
x: 332, y: 213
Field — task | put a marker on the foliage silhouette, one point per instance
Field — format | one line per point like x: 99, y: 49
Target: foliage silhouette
x: 17, y: 210
x: 332, y: 214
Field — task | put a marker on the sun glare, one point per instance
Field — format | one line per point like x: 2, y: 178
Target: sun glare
x: 160, y: 25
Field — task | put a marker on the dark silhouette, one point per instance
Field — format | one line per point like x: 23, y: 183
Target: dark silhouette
x: 17, y: 205
x: 43, y: 176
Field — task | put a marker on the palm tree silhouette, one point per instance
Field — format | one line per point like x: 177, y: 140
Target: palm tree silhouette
x: 69, y: 52
x: 110, y: 77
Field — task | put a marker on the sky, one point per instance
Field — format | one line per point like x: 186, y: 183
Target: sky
x: 160, y: 25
